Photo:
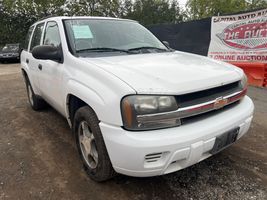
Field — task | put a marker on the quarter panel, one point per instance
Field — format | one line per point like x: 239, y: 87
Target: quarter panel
x: 30, y: 72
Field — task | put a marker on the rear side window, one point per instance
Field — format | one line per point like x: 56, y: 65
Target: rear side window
x: 27, y: 39
x: 52, y: 36
x: 36, y: 38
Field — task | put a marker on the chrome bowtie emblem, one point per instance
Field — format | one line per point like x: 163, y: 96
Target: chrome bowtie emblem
x: 219, y: 103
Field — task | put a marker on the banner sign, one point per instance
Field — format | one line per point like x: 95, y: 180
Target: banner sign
x: 240, y: 38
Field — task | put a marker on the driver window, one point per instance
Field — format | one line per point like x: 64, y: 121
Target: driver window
x: 52, y: 36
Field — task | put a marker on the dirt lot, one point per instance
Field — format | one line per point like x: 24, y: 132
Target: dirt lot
x: 38, y: 158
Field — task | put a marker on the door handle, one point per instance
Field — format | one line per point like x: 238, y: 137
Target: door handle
x: 40, y: 67
x: 27, y: 61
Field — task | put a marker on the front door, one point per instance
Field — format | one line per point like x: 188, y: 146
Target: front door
x: 50, y: 72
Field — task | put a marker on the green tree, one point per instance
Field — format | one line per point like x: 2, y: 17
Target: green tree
x: 198, y: 9
x: 153, y: 11
x: 93, y: 7
x: 257, y: 4
x: 36, y: 8
x: 17, y: 15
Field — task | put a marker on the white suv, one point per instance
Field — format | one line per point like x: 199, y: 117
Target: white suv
x: 135, y: 106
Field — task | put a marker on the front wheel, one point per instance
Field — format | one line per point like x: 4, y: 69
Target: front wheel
x: 91, y: 146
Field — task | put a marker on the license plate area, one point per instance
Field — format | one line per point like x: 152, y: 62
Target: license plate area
x: 225, y: 140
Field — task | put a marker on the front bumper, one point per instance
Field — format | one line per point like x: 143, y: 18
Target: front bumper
x: 157, y: 152
x: 9, y: 57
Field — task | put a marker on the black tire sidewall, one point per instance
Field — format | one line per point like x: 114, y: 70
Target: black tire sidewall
x: 38, y: 103
x: 28, y: 86
x: 104, y: 169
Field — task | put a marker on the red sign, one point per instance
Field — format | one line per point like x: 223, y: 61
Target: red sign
x: 239, y: 38
x: 246, y: 35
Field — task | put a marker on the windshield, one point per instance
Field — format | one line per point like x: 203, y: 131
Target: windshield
x: 10, y: 47
x: 104, y: 35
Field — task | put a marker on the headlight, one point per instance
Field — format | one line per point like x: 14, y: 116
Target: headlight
x: 138, y: 112
x: 244, y: 82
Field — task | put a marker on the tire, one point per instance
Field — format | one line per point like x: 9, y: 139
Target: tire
x: 89, y: 139
x: 36, y: 102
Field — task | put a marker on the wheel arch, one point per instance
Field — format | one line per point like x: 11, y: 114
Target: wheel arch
x: 73, y: 104
x: 80, y: 94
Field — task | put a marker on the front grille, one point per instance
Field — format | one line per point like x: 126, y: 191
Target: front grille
x: 195, y: 105
x: 196, y: 118
x: 207, y: 95
x: 7, y: 55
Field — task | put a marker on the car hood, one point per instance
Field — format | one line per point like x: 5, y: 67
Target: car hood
x: 168, y: 73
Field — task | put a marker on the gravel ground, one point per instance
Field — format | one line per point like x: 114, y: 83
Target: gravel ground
x: 38, y: 158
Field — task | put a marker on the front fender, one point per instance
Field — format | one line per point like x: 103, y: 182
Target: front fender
x: 106, y: 104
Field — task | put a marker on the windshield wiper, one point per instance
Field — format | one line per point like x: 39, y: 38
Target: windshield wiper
x: 107, y: 49
x: 101, y: 49
x: 148, y: 47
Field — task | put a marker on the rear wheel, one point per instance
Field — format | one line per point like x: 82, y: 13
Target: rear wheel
x: 91, y: 146
x: 36, y: 102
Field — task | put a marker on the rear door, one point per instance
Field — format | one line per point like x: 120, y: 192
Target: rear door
x: 30, y: 61
x: 24, y: 57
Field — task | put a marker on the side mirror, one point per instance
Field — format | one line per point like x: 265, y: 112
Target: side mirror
x: 167, y: 44
x: 48, y: 52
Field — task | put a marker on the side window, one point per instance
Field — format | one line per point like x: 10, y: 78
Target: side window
x: 36, y: 38
x: 52, y: 36
x: 27, y: 39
